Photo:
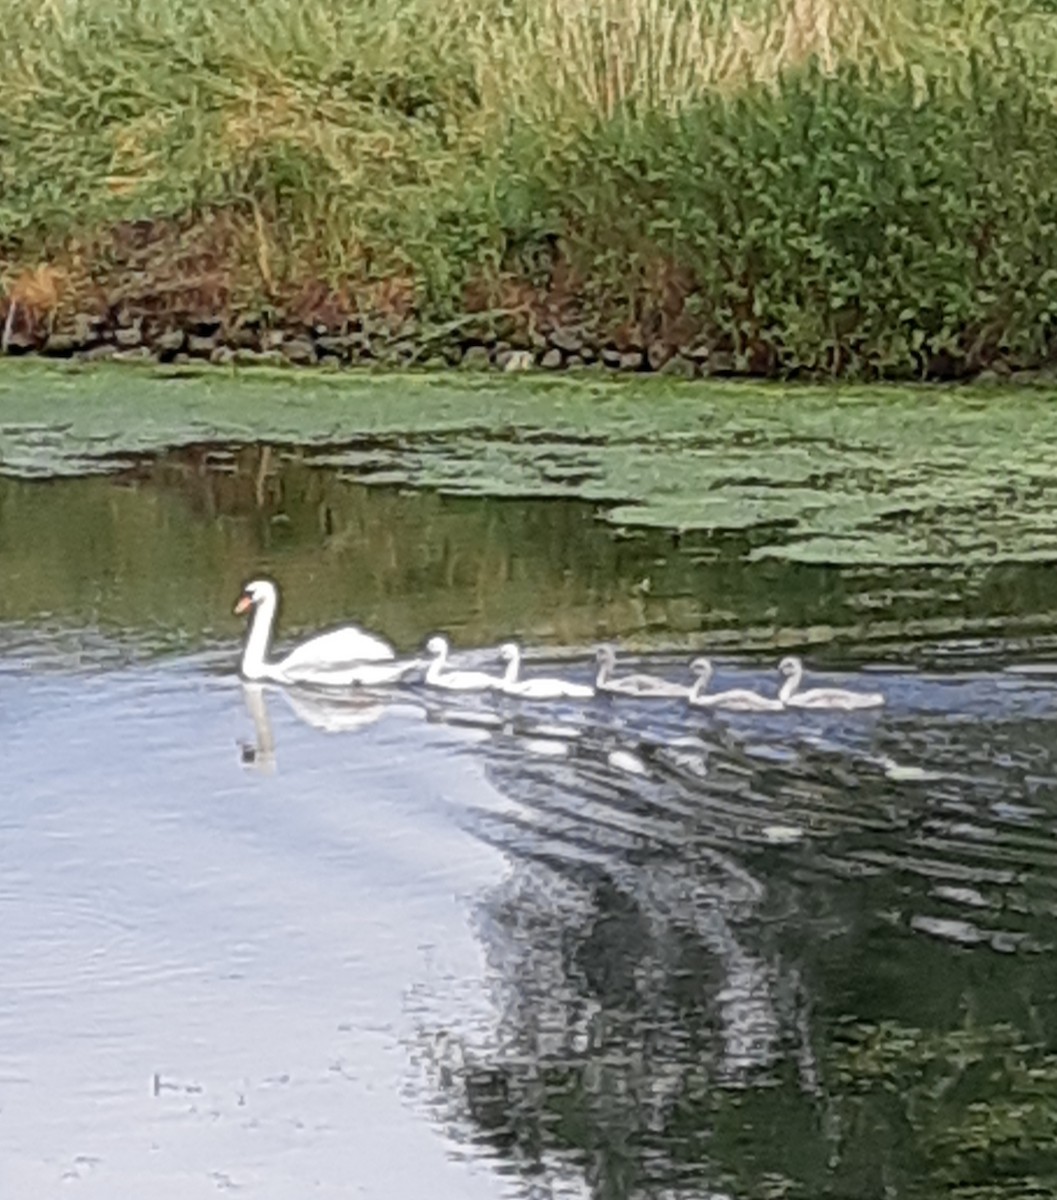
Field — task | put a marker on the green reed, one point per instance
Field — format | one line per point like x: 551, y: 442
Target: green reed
x: 817, y: 184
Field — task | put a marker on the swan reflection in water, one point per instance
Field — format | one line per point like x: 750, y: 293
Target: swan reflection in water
x: 351, y: 712
x: 346, y: 713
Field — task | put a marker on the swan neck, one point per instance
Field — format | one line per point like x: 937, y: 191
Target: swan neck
x: 602, y: 677
x: 255, y: 652
x: 700, y: 683
x: 437, y: 665
x: 510, y: 675
x: 788, y: 689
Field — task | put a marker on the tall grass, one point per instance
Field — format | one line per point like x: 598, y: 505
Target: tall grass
x: 400, y: 152
x: 587, y: 58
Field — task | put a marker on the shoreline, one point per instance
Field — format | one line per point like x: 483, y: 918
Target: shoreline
x: 476, y: 344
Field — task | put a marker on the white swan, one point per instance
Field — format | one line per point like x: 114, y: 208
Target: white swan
x: 793, y: 669
x: 456, y: 681
x: 631, y: 685
x: 337, y: 659
x: 536, y: 689
x: 365, y: 674
x: 738, y: 699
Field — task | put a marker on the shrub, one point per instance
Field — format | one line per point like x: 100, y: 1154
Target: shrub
x: 857, y: 186
x: 858, y: 221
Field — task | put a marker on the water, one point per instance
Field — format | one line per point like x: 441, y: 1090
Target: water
x: 289, y: 943
x: 207, y: 971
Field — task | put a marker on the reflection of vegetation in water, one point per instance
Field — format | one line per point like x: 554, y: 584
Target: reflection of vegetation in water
x: 679, y: 1013
x: 174, y: 548
x: 850, y: 478
x: 977, y: 1104
x: 860, y: 481
x: 632, y: 1099
x: 168, y: 544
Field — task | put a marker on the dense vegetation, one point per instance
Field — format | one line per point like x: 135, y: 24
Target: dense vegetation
x: 849, y: 186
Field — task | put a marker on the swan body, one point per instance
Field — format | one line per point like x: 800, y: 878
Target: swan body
x: 738, y: 699
x: 793, y: 669
x: 536, y: 689
x: 456, y: 681
x: 631, y: 685
x: 365, y: 674
x: 321, y: 658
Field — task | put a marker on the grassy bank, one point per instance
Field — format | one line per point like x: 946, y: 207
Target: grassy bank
x: 801, y: 185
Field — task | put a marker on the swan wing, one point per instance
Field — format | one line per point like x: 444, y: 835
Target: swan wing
x: 866, y: 700
x: 545, y: 689
x: 363, y: 674
x: 836, y: 698
x: 741, y: 698
x: 519, y: 687
x: 531, y: 689
x: 751, y: 702
x: 662, y: 688
x: 577, y: 690
x: 467, y: 681
x: 643, y: 685
x: 340, y: 647
x: 555, y: 689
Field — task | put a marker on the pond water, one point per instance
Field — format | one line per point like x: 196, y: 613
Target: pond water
x: 285, y: 943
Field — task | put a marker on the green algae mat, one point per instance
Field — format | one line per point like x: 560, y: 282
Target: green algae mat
x: 843, y: 477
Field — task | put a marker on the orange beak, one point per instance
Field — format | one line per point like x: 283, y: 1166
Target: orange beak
x: 243, y: 604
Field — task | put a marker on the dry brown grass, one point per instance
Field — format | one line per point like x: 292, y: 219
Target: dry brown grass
x: 32, y: 299
x: 565, y: 58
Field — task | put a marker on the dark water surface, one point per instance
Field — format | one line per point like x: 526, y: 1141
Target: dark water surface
x: 287, y: 944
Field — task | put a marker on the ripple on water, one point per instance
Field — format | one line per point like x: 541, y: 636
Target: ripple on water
x: 668, y: 881
x: 910, y: 791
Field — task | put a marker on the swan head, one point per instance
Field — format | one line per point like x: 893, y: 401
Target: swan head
x: 606, y: 656
x: 790, y: 665
x: 437, y: 645
x: 257, y: 591
x: 509, y: 651
x: 701, y: 666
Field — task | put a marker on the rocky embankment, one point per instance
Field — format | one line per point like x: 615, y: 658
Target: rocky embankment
x: 473, y: 344
x: 250, y: 341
